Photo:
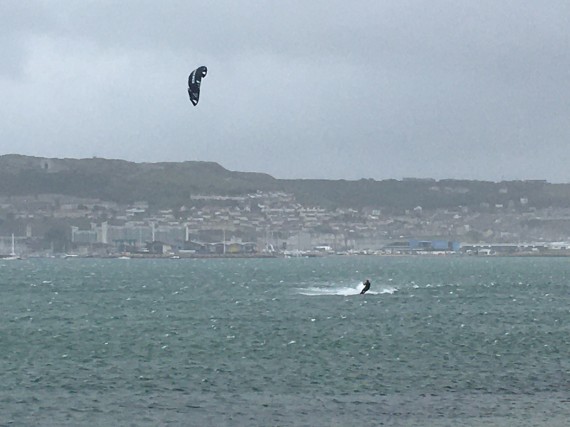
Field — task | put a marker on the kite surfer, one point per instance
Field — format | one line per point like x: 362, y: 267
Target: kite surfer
x: 366, y: 287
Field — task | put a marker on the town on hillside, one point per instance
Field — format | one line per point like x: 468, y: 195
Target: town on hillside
x: 271, y: 223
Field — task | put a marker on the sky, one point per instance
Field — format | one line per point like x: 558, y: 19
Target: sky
x: 328, y: 89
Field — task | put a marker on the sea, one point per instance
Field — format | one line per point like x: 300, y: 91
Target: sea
x: 437, y: 341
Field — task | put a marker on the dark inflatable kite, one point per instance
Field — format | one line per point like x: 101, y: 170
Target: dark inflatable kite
x: 194, y: 81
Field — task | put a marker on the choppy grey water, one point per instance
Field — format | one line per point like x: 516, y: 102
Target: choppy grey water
x: 285, y: 342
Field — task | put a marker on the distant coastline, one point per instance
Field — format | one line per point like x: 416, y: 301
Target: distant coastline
x: 105, y: 208
x: 564, y: 254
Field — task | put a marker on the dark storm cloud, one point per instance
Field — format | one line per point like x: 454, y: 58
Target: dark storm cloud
x: 330, y: 89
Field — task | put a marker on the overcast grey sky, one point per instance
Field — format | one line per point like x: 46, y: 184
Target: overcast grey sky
x: 295, y: 88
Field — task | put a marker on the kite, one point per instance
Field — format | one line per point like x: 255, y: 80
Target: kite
x: 194, y: 81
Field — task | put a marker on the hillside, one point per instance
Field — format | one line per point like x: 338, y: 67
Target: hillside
x: 170, y: 184
x: 121, y: 181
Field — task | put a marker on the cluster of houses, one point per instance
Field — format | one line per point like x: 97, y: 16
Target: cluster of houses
x: 269, y: 223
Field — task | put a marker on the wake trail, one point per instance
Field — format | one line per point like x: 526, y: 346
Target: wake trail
x: 344, y: 290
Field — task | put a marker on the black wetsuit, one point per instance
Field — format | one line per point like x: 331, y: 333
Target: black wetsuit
x: 366, y: 287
